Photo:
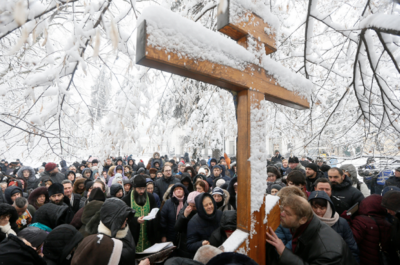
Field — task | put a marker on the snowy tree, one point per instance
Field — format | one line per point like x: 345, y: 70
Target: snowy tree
x: 100, y: 95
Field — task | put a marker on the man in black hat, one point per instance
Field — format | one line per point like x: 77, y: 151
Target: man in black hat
x: 294, y: 164
x: 144, y: 232
x: 312, y: 173
x: 394, y: 180
x: 56, y: 196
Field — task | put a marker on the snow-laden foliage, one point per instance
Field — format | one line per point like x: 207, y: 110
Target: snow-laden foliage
x: 52, y: 52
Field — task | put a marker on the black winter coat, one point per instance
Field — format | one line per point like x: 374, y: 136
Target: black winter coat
x: 76, y: 205
x: 231, y: 258
x: 228, y: 222
x: 344, y: 195
x: 14, y: 251
x: 162, y: 184
x: 58, y: 178
x: 169, y: 216
x: 51, y: 215
x: 202, y: 225
x: 393, y: 181
x: 181, y: 229
x: 153, y: 231
x: 310, y: 182
x: 319, y: 244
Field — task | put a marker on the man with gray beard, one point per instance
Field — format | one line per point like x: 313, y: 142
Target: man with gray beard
x: 144, y: 232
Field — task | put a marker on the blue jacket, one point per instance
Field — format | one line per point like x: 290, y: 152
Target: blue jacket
x: 284, y: 235
x: 201, y: 226
x: 341, y: 226
x: 169, y: 214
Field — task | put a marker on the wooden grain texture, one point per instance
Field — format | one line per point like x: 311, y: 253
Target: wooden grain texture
x: 253, y: 77
x: 254, y: 26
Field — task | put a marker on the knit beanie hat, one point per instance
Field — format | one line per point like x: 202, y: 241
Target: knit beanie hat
x: 88, y: 184
x: 276, y: 186
x: 313, y: 166
x: 50, y: 166
x: 220, y: 182
x: 56, y: 188
x: 192, y: 196
x: 218, y: 191
x: 391, y: 201
x: 33, y: 235
x: 293, y: 160
x: 139, y: 181
x: 389, y: 188
x: 325, y: 168
x: 98, y: 250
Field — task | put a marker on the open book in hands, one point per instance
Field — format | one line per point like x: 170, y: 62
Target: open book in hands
x: 156, y: 248
x: 152, y: 214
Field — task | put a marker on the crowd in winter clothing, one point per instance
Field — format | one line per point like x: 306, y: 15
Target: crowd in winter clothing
x: 96, y: 213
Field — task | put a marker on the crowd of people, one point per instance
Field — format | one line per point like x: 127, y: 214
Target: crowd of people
x: 94, y: 213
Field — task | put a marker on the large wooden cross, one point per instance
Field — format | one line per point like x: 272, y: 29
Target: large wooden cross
x: 252, y: 85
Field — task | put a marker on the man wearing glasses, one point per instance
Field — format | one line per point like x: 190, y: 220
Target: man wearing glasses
x: 162, y: 184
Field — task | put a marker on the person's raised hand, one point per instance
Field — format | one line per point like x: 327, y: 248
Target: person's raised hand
x: 205, y: 242
x: 140, y: 220
x: 275, y: 241
x: 187, y: 211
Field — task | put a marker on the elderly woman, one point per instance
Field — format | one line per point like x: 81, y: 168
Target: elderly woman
x: 38, y: 197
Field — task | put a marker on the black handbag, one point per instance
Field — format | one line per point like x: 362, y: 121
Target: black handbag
x: 384, y: 258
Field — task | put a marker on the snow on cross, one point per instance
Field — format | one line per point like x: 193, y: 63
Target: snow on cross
x: 168, y: 42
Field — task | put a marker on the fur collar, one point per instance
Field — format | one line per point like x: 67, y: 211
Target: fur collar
x: 102, y: 229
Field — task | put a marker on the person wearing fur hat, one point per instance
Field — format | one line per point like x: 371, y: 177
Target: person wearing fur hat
x: 170, y: 211
x: 274, y: 177
x: 153, y: 173
x: 51, y: 172
x: 79, y: 186
x: 38, y: 197
x: 221, y: 198
x: 144, y: 232
x: 28, y: 174
x: 60, y: 244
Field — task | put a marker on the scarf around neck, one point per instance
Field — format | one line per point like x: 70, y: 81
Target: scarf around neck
x: 328, y: 218
x: 180, y: 205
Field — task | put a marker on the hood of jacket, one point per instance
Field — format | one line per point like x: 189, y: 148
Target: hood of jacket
x: 51, y: 215
x: 69, y: 172
x: 140, y: 164
x: 35, y: 195
x: 352, y: 170
x: 322, y: 195
x: 156, y: 154
x: 90, y: 210
x: 194, y: 173
x: 60, y: 242
x: 76, y: 185
x: 200, y: 209
x: 186, y: 177
x: 11, y: 191
x: 228, y: 220
x: 171, y: 192
x: 115, y: 188
x: 371, y: 205
x: 197, y: 177
x: 8, y: 209
x: 113, y: 214
x: 226, y: 197
x: 84, y: 171
x: 32, y: 175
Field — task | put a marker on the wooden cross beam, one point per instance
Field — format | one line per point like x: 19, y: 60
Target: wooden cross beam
x: 252, y: 83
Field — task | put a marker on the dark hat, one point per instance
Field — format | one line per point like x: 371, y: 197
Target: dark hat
x: 398, y: 169
x: 391, y: 200
x: 325, y: 168
x: 139, y: 181
x: 88, y: 184
x: 153, y: 171
x: 389, y: 188
x: 276, y: 186
x: 141, y: 170
x: 119, y: 168
x: 218, y: 191
x: 217, y: 166
x: 313, y: 166
x: 56, y: 188
x: 50, y: 166
x: 101, y: 249
x: 95, y: 161
x: 222, y: 157
x: 33, y: 235
x: 213, y: 160
x: 97, y: 195
x: 293, y: 160
x: 115, y: 188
